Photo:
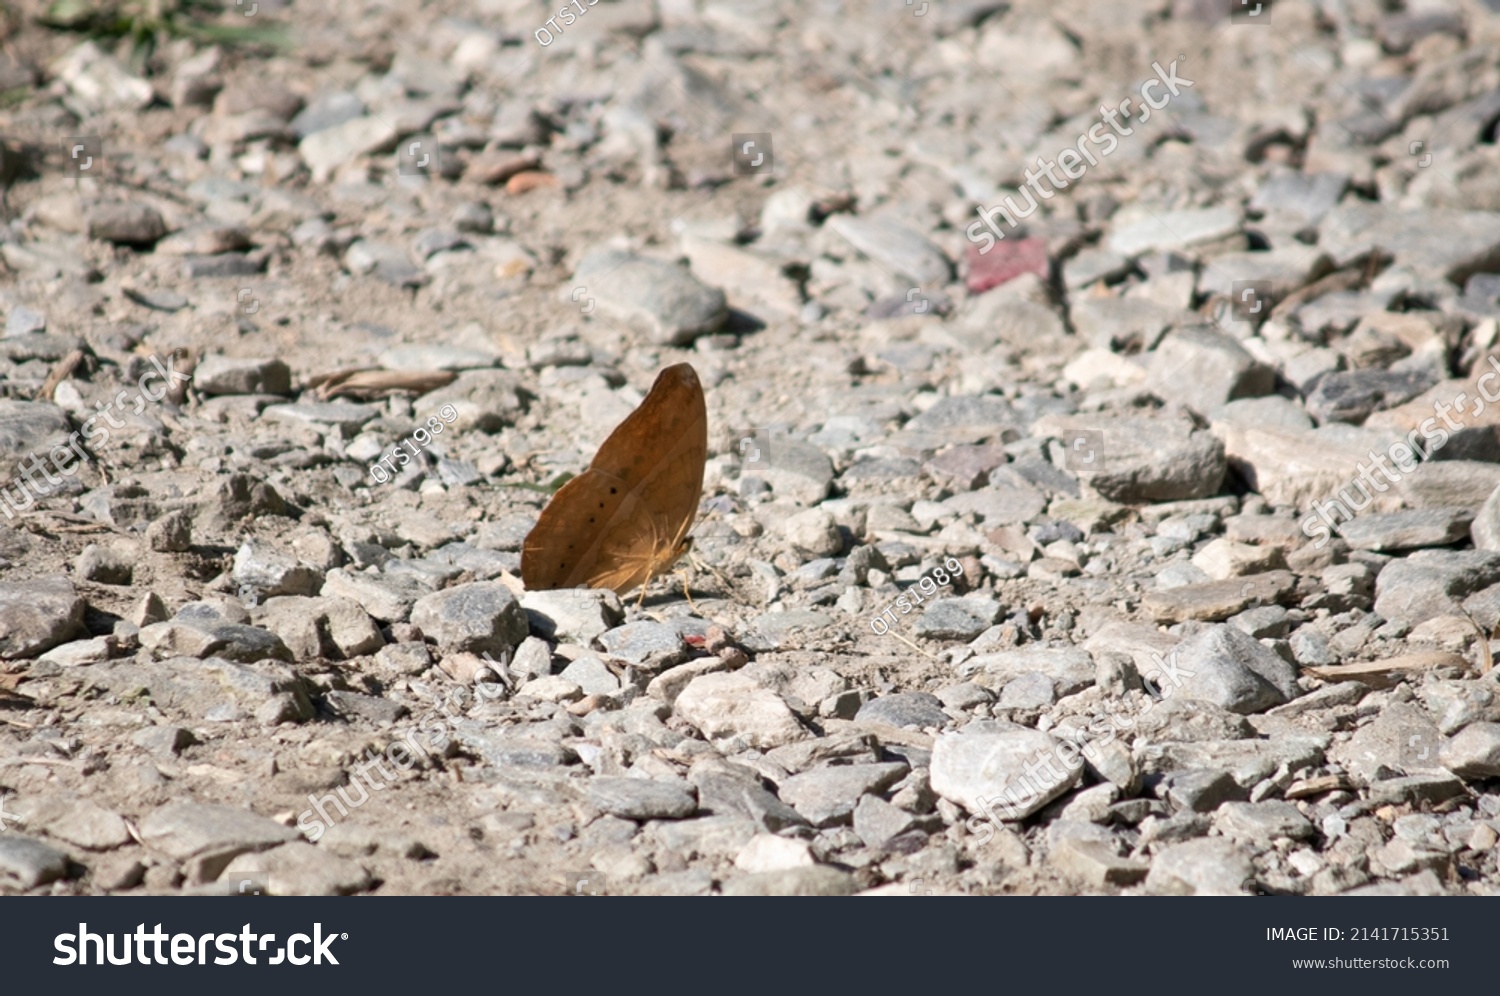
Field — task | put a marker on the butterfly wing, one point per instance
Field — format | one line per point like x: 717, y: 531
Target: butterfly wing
x: 617, y: 523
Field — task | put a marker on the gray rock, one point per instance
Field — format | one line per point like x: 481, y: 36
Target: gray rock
x: 1273, y: 410
x: 98, y: 83
x: 207, y: 240
x: 957, y: 618
x: 328, y: 148
x: 1006, y: 501
x: 1443, y: 244
x: 1070, y: 669
x: 350, y: 629
x: 1402, y: 738
x: 387, y: 597
x: 230, y: 641
x: 1280, y: 270
x: 1424, y: 787
x: 505, y: 751
x: 327, y: 110
x: 223, y: 375
x: 1205, y: 369
x: 207, y: 836
x: 1303, y: 198
x: 725, y: 794
x: 914, y: 709
x: 1407, y: 530
x: 1263, y: 622
x: 172, y: 533
x: 965, y: 695
x: 817, y: 880
x: 386, y: 262
x: 1451, y: 483
x: 1459, y: 703
x: 481, y: 617
x: 732, y: 707
x: 1485, y: 530
x: 486, y: 400
x: 1091, y: 264
x: 1029, y: 691
x: 323, y: 415
x: 1260, y: 823
x: 76, y: 820
x: 1353, y: 395
x: 826, y: 796
x: 104, y: 565
x: 28, y: 427
x: 1171, y: 230
x: 814, y: 532
x: 664, y: 300
x: 591, y: 676
x: 1311, y: 648
x: 260, y: 566
x: 436, y: 356
x: 894, y: 246
x: 965, y: 417
x: 642, y: 798
x: 1124, y: 324
x: 356, y: 705
x: 27, y: 863
x: 125, y: 223
x: 1010, y: 775
x: 1432, y: 583
x: 38, y: 614
x: 1249, y: 761
x: 1138, y: 458
x: 1200, y: 790
x: 877, y: 821
x: 295, y: 869
x: 650, y: 644
x: 1225, y: 666
x: 1095, y: 862
x: 1212, y: 601
x: 223, y: 265
x: 23, y: 321
x: 795, y: 470
x: 1474, y: 753
x: 81, y: 652
x: 1206, y: 867
x: 162, y: 741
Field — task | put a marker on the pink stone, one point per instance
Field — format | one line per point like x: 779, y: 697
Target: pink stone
x: 1006, y: 260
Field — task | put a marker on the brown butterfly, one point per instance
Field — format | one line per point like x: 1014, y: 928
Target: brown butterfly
x: 621, y: 522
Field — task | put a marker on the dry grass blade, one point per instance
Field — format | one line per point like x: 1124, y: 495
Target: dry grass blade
x: 9, y: 697
x: 926, y: 653
x: 1384, y: 673
x: 60, y: 373
x: 1486, y: 656
x: 369, y: 384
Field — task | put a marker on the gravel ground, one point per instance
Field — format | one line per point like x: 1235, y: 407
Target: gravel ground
x: 1103, y: 491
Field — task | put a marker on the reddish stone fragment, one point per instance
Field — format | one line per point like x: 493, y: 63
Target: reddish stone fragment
x: 1007, y: 259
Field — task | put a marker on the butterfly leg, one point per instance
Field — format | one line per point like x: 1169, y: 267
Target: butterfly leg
x: 704, y: 565
x: 683, y: 576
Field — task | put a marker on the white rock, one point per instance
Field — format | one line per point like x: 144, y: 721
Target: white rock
x: 98, y: 83
x: 768, y: 852
x: 325, y: 151
x: 732, y: 707
x: 1014, y: 773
